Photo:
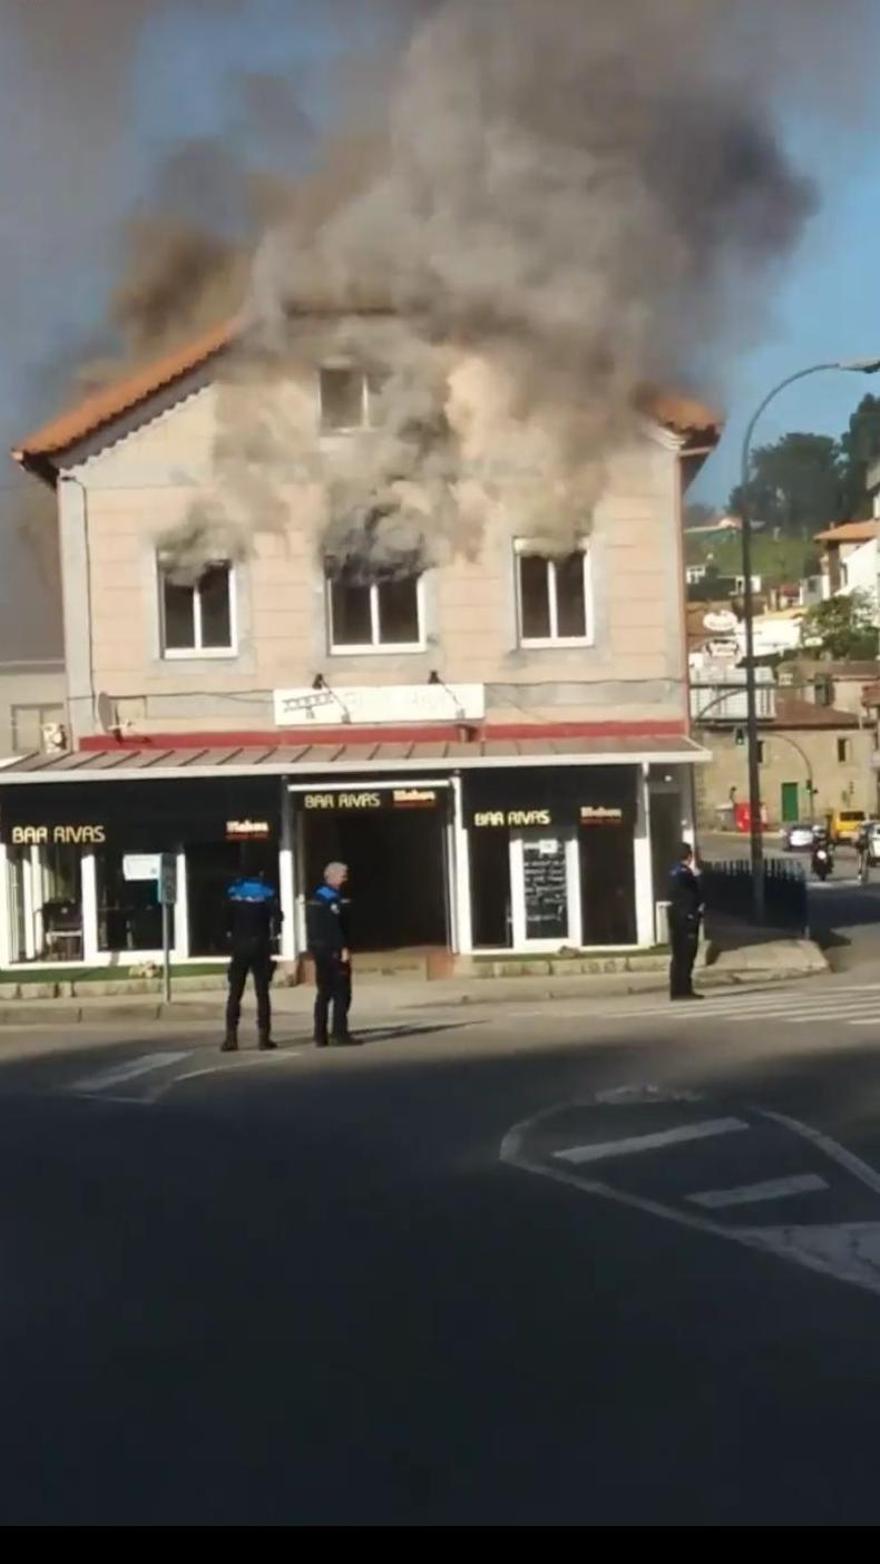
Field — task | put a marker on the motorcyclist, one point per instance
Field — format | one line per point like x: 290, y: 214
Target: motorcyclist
x: 823, y: 853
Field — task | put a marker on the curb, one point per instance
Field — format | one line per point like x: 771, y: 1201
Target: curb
x: 22, y: 1013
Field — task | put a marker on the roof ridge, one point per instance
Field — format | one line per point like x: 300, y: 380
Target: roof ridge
x: 678, y: 411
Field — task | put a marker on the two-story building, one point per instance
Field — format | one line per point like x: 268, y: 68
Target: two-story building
x: 496, y: 742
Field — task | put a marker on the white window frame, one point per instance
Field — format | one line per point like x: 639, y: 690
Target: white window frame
x: 198, y: 652
x: 375, y: 647
x: 366, y: 402
x: 527, y: 546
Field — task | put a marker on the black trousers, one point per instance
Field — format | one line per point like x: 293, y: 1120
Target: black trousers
x: 333, y: 984
x: 256, y: 959
x: 684, y: 939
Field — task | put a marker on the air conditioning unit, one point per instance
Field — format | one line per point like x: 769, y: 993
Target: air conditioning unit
x: 53, y: 736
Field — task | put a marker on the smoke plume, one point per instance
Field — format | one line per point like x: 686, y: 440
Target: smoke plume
x: 559, y: 203
x: 520, y: 214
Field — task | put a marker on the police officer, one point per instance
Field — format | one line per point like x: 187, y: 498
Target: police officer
x: 327, y: 930
x: 253, y: 922
x: 685, y: 912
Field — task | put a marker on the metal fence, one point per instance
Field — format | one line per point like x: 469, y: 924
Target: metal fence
x: 727, y: 888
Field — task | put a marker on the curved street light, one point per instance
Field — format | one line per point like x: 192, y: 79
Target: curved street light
x: 856, y: 366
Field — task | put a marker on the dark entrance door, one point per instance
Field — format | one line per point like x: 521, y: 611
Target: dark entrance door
x: 397, y: 863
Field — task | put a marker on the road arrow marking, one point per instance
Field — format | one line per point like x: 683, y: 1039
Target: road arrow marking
x: 120, y: 1074
x: 634, y: 1144
x: 748, y: 1194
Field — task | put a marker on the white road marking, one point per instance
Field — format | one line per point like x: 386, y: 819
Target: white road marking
x: 633, y: 1144
x: 105, y: 1080
x: 748, y: 1194
x: 847, y: 1251
x: 789, y: 1006
x: 250, y: 1060
x: 832, y: 1148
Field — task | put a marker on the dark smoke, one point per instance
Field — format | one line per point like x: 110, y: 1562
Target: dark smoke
x: 580, y: 196
x: 558, y: 200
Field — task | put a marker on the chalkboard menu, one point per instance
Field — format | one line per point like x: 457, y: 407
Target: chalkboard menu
x: 546, y: 889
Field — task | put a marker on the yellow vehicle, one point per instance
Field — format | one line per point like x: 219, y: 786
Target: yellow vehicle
x: 844, y: 824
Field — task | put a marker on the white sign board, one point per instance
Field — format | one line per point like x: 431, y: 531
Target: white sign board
x: 376, y: 705
x: 141, y: 866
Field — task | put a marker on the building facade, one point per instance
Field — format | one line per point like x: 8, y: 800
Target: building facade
x: 496, y: 740
x: 814, y: 759
x: 33, y: 707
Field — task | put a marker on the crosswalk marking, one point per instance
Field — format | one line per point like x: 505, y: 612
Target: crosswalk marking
x: 788, y: 1006
x: 120, y: 1074
x: 633, y: 1144
x: 748, y: 1194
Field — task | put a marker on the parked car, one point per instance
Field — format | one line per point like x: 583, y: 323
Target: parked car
x: 845, y: 825
x: 798, y: 837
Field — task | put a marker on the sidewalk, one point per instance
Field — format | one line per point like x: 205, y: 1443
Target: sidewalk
x: 378, y: 996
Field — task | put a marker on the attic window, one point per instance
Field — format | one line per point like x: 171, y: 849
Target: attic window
x: 349, y: 398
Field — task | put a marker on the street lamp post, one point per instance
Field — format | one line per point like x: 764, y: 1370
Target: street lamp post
x: 868, y: 366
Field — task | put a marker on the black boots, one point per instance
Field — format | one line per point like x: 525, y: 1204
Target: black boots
x: 229, y: 1044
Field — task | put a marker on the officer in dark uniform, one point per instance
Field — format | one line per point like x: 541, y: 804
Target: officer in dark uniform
x: 329, y: 942
x: 253, y: 923
x: 685, y: 913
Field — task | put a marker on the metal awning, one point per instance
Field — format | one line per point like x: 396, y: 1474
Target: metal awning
x: 146, y: 763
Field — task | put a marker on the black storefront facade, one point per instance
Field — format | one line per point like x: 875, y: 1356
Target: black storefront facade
x: 79, y: 863
x: 488, y: 856
x: 552, y: 857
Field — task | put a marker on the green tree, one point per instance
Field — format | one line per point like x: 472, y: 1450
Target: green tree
x: 859, y: 447
x: 841, y: 627
x: 796, y: 485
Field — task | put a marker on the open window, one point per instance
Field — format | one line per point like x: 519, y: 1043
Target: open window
x: 553, y: 596
x: 349, y: 398
x: 198, y: 618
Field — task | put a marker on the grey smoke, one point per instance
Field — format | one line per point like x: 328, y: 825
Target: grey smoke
x: 581, y: 195
x: 585, y: 195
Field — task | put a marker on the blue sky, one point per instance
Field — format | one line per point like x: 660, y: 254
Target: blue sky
x: 824, y: 305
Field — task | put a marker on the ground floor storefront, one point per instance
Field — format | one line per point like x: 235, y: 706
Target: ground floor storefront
x: 505, y: 856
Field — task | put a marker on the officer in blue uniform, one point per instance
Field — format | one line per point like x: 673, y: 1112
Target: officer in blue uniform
x: 329, y: 943
x: 685, y: 913
x: 253, y: 922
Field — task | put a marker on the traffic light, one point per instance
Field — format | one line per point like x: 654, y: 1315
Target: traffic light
x: 739, y: 737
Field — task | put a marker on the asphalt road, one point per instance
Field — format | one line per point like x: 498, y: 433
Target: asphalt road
x: 500, y: 1270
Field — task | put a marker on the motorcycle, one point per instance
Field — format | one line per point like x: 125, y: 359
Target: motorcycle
x: 823, y: 862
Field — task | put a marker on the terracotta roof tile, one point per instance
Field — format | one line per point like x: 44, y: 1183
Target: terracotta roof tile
x: 792, y: 712
x: 112, y: 401
x: 850, y: 532
x: 682, y: 414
